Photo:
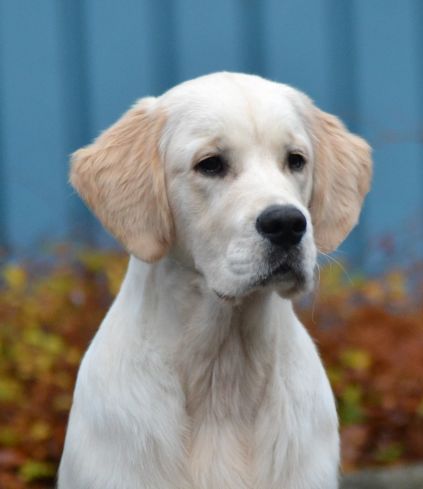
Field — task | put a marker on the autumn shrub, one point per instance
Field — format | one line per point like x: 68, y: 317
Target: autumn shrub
x: 369, y: 332
x: 370, y: 335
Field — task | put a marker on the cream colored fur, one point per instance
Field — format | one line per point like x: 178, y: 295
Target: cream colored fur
x: 201, y: 376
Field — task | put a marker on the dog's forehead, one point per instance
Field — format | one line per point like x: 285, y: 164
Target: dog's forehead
x: 237, y: 106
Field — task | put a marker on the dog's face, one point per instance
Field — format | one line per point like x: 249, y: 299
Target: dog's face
x: 239, y: 170
x: 235, y: 176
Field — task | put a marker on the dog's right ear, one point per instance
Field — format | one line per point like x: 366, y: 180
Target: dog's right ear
x: 122, y: 179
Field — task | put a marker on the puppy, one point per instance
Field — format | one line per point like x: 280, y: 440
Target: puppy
x: 201, y: 376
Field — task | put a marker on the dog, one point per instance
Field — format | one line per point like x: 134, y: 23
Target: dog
x: 201, y: 376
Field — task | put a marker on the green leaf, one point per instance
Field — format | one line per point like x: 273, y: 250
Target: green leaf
x: 350, y: 405
x: 389, y: 453
x: 9, y: 437
x: 33, y: 470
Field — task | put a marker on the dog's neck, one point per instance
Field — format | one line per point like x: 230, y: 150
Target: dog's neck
x: 212, y: 343
x: 178, y: 302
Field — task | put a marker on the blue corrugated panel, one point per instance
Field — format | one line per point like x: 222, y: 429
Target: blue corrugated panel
x: 69, y: 69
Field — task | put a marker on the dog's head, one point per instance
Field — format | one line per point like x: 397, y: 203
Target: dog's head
x: 236, y: 176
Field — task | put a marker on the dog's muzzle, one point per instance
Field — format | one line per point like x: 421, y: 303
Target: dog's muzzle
x: 283, y: 227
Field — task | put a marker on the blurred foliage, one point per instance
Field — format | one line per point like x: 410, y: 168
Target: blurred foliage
x: 370, y: 336
x: 48, y: 314
x: 369, y: 332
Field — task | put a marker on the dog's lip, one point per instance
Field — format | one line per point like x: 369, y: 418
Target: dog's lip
x: 281, y: 269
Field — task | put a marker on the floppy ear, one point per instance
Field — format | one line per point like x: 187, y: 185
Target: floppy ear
x: 121, y: 177
x: 342, y: 176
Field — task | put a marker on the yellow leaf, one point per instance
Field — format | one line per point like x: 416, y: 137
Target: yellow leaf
x: 10, y: 390
x: 54, y: 344
x: 356, y: 359
x: 40, y: 431
x: 397, y: 285
x: 15, y: 277
x: 93, y: 260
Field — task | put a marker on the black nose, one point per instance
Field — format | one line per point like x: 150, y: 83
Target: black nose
x: 283, y: 225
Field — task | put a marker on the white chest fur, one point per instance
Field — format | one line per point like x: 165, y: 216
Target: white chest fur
x: 181, y: 390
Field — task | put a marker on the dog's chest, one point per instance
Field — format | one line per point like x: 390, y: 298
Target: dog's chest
x: 224, y: 397
x: 221, y: 455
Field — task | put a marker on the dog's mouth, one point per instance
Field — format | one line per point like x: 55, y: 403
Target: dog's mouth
x: 278, y: 272
x: 286, y: 271
x: 288, y: 274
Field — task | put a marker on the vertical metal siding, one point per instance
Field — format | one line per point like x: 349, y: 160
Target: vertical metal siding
x: 32, y: 124
x: 69, y: 69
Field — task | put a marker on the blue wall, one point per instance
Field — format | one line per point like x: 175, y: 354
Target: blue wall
x: 69, y: 68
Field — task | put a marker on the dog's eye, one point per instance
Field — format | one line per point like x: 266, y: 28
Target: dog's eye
x: 212, y: 166
x: 296, y: 161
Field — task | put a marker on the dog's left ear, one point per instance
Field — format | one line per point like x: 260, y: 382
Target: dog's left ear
x: 121, y: 177
x: 342, y: 175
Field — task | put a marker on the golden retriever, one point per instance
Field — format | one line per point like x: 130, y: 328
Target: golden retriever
x: 201, y: 376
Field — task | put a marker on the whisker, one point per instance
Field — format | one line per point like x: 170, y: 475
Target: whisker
x: 331, y: 259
